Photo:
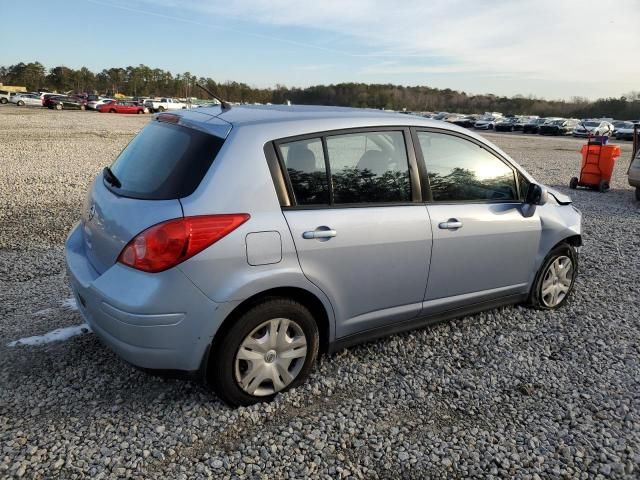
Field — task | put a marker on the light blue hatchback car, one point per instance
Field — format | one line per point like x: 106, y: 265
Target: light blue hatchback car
x: 238, y: 242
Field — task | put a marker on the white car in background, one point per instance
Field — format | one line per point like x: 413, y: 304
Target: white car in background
x: 487, y: 123
x: 94, y: 104
x: 625, y: 132
x: 593, y: 127
x: 23, y: 99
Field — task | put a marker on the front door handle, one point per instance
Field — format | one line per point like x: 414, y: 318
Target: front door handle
x: 320, y: 233
x: 451, y: 224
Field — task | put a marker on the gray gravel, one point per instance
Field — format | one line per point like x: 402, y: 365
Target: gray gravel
x: 507, y: 393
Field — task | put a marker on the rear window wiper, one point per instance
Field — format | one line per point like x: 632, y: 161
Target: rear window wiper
x: 110, y: 177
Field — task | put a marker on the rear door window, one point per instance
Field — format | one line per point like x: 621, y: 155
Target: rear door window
x: 164, y: 161
x: 369, y: 167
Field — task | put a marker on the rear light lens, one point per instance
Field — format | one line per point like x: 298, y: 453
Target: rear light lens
x: 169, y: 243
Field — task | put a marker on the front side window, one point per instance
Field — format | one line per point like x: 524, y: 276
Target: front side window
x: 304, y: 161
x: 460, y: 170
x: 369, y: 167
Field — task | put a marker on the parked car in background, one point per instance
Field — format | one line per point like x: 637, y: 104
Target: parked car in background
x: 625, y: 132
x: 506, y: 124
x: 440, y: 115
x: 617, y: 124
x: 122, y: 106
x: 534, y: 125
x: 593, y: 127
x: 634, y: 174
x: 522, y: 121
x: 174, y: 270
x: 94, y: 104
x: 558, y: 127
x: 30, y: 99
x: 47, y: 98
x: 67, y: 103
x: 467, y: 121
x: 5, y: 96
x: 487, y: 122
x: 164, y: 104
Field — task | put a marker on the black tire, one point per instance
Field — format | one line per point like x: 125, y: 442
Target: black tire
x: 140, y: 112
x: 603, y: 186
x: 112, y: 110
x: 535, y: 296
x: 221, y: 368
x: 638, y: 194
x: 20, y: 103
x: 161, y: 108
x: 3, y: 101
x: 58, y: 106
x: 573, y: 183
x: 82, y: 107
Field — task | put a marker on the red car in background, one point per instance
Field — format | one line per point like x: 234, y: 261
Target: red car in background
x: 122, y: 106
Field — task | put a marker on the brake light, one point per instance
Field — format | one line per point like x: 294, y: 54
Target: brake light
x: 169, y: 243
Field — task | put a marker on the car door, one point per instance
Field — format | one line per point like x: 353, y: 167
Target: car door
x: 363, y: 237
x: 484, y: 240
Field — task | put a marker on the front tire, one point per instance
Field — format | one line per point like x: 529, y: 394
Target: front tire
x: 58, y: 106
x: 603, y: 186
x: 638, y: 194
x: 555, y: 279
x: 3, y: 101
x: 269, y: 349
x: 161, y: 109
x: 21, y: 103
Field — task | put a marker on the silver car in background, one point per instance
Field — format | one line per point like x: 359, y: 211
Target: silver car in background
x: 238, y: 242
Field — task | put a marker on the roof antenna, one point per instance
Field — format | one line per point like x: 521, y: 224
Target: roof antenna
x: 223, y: 104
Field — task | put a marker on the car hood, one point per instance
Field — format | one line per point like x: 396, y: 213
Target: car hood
x: 561, y: 198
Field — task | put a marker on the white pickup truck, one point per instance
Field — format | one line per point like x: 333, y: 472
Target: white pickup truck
x: 162, y: 104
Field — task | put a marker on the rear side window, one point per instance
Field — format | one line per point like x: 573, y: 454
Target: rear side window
x: 305, y: 165
x: 164, y: 161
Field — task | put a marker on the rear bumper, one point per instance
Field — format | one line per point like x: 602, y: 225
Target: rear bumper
x: 157, y: 321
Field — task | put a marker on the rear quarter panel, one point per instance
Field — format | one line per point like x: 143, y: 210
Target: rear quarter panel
x: 239, y: 181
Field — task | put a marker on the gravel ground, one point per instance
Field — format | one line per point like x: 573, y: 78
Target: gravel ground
x: 507, y: 393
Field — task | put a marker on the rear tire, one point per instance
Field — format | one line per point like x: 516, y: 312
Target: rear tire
x: 58, y: 106
x: 112, y: 110
x: 3, y: 101
x: 140, y: 112
x: 573, y: 183
x: 227, y: 370
x: 161, y: 109
x: 555, y: 278
x: 20, y: 103
x: 638, y: 194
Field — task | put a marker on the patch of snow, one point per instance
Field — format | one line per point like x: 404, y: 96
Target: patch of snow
x: 57, y: 335
x: 69, y: 303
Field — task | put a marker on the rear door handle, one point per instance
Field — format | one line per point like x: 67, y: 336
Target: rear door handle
x: 322, y: 233
x: 451, y: 224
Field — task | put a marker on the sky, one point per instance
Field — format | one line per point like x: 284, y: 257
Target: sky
x: 545, y: 48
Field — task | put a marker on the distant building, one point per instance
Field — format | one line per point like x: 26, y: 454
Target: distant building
x: 12, y: 88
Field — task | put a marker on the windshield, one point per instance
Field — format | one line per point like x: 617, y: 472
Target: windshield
x: 165, y: 161
x: 558, y: 122
x: 591, y: 124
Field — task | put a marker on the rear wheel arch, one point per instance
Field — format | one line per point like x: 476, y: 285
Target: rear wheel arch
x: 300, y: 295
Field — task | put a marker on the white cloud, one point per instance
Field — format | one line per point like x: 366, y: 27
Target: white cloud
x: 587, y: 41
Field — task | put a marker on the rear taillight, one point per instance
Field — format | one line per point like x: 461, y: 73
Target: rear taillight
x: 169, y: 243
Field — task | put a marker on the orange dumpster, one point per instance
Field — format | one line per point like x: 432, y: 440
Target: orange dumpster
x: 596, y: 166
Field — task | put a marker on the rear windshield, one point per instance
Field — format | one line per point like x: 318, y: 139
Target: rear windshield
x: 164, y: 161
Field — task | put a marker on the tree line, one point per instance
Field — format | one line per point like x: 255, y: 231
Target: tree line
x: 142, y: 80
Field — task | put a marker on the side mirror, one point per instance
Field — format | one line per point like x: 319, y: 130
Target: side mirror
x: 536, y: 195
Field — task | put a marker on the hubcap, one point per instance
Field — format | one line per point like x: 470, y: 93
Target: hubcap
x: 270, y: 357
x: 557, y: 281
